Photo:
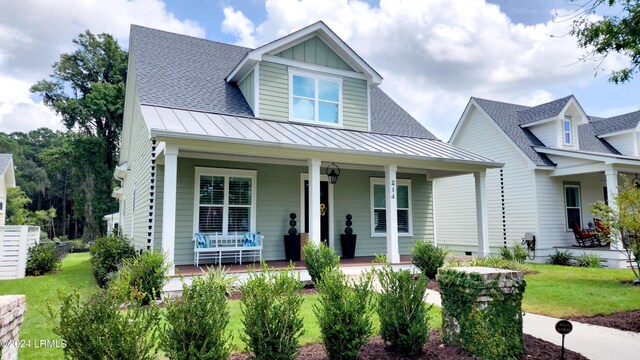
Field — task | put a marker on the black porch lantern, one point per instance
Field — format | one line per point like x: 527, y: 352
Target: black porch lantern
x: 333, y: 175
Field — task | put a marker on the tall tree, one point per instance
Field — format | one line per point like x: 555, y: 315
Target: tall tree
x: 87, y: 89
x: 610, y: 34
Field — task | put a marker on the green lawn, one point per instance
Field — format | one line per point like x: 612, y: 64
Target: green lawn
x: 312, y: 331
x: 563, y: 291
x: 75, y: 274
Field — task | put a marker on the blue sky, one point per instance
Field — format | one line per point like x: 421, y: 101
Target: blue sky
x: 434, y: 55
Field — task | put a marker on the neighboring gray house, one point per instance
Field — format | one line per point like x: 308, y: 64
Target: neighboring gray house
x: 221, y: 139
x: 558, y: 161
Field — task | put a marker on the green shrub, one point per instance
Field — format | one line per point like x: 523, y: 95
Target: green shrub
x: 498, y: 263
x: 141, y: 277
x: 196, y: 321
x: 561, y: 258
x: 492, y: 330
x: 270, y: 305
x: 344, y: 312
x: 319, y: 259
x: 98, y: 329
x: 518, y: 253
x: 588, y: 261
x: 42, y: 259
x: 428, y: 258
x: 404, y: 315
x: 106, y: 255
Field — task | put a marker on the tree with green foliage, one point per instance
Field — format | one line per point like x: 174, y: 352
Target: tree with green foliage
x: 17, y: 202
x: 610, y: 33
x: 87, y: 89
x: 622, y: 217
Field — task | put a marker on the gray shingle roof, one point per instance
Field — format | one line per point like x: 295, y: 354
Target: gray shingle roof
x: 5, y: 159
x: 616, y: 123
x: 509, y: 118
x: 543, y: 111
x: 184, y: 72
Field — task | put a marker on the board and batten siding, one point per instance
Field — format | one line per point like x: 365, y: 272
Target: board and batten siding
x: 246, y: 87
x: 274, y: 97
x: 454, y: 197
x: 278, y: 195
x: 315, y: 51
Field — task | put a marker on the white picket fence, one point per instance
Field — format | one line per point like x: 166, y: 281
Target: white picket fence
x: 15, y: 241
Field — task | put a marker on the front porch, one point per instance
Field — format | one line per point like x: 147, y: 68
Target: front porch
x: 610, y: 258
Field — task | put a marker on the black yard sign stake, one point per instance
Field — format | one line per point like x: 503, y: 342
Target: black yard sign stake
x: 563, y: 327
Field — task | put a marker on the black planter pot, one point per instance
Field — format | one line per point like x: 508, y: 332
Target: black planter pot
x: 292, y: 247
x: 348, y: 245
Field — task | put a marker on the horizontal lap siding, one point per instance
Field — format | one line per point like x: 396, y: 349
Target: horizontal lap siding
x: 354, y: 104
x: 455, y: 206
x: 274, y: 91
x: 623, y: 143
x: 278, y: 194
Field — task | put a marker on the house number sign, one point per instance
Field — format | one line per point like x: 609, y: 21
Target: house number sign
x: 393, y: 189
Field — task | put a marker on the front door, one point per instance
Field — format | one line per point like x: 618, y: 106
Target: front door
x: 324, y: 210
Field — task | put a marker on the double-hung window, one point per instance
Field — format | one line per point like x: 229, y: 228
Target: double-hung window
x: 225, y: 201
x: 315, y: 98
x: 572, y: 204
x: 566, y: 130
x: 379, y: 207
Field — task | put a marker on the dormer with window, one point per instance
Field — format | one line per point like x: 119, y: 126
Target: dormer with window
x: 622, y: 132
x: 311, y: 77
x: 555, y: 123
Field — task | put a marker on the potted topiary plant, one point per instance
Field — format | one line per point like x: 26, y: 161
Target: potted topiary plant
x: 292, y: 240
x: 348, y: 240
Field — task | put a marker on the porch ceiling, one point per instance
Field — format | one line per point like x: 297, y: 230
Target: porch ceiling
x: 166, y: 123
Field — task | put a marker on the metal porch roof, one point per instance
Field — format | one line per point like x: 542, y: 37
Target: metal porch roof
x: 176, y: 123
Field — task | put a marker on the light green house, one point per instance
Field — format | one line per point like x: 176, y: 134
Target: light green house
x: 221, y: 139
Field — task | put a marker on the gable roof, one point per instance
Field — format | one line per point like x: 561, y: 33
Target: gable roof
x: 184, y: 72
x: 6, y: 165
x: 509, y: 118
x: 319, y: 29
x: 543, y: 111
x: 616, y: 123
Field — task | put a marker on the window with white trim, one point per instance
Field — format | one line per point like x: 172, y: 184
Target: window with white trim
x: 379, y: 207
x: 566, y: 130
x: 225, y: 201
x: 572, y: 204
x: 315, y: 98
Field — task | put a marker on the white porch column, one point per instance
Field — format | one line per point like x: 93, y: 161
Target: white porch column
x: 611, y: 175
x: 481, y: 213
x: 314, y: 201
x: 169, y: 204
x: 393, y: 255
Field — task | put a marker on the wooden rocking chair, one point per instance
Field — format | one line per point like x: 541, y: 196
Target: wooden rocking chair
x: 583, y: 238
x: 603, y: 229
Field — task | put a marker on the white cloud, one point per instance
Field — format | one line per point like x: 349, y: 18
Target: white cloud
x: 435, y: 54
x: 33, y: 34
x: 237, y: 24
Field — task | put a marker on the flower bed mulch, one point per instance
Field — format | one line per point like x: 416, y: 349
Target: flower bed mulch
x: 627, y: 320
x: 434, y: 349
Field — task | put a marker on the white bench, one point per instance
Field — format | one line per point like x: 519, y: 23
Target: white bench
x: 216, y: 246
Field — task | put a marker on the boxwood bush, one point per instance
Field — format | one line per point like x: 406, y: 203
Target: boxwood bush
x: 197, y: 320
x: 428, y: 258
x: 270, y: 305
x: 141, y: 277
x: 42, y: 259
x: 319, y: 259
x: 404, y: 315
x: 107, y: 254
x: 344, y: 313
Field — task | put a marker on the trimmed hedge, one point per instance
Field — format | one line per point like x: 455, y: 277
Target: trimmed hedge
x: 107, y: 254
x: 491, y: 332
x: 428, y: 258
x: 42, y: 259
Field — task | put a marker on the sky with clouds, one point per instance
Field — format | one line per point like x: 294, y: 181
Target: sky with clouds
x: 433, y: 55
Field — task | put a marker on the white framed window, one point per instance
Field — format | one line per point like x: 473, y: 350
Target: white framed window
x: 379, y: 207
x: 572, y: 204
x: 315, y: 98
x: 566, y: 130
x: 224, y: 201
